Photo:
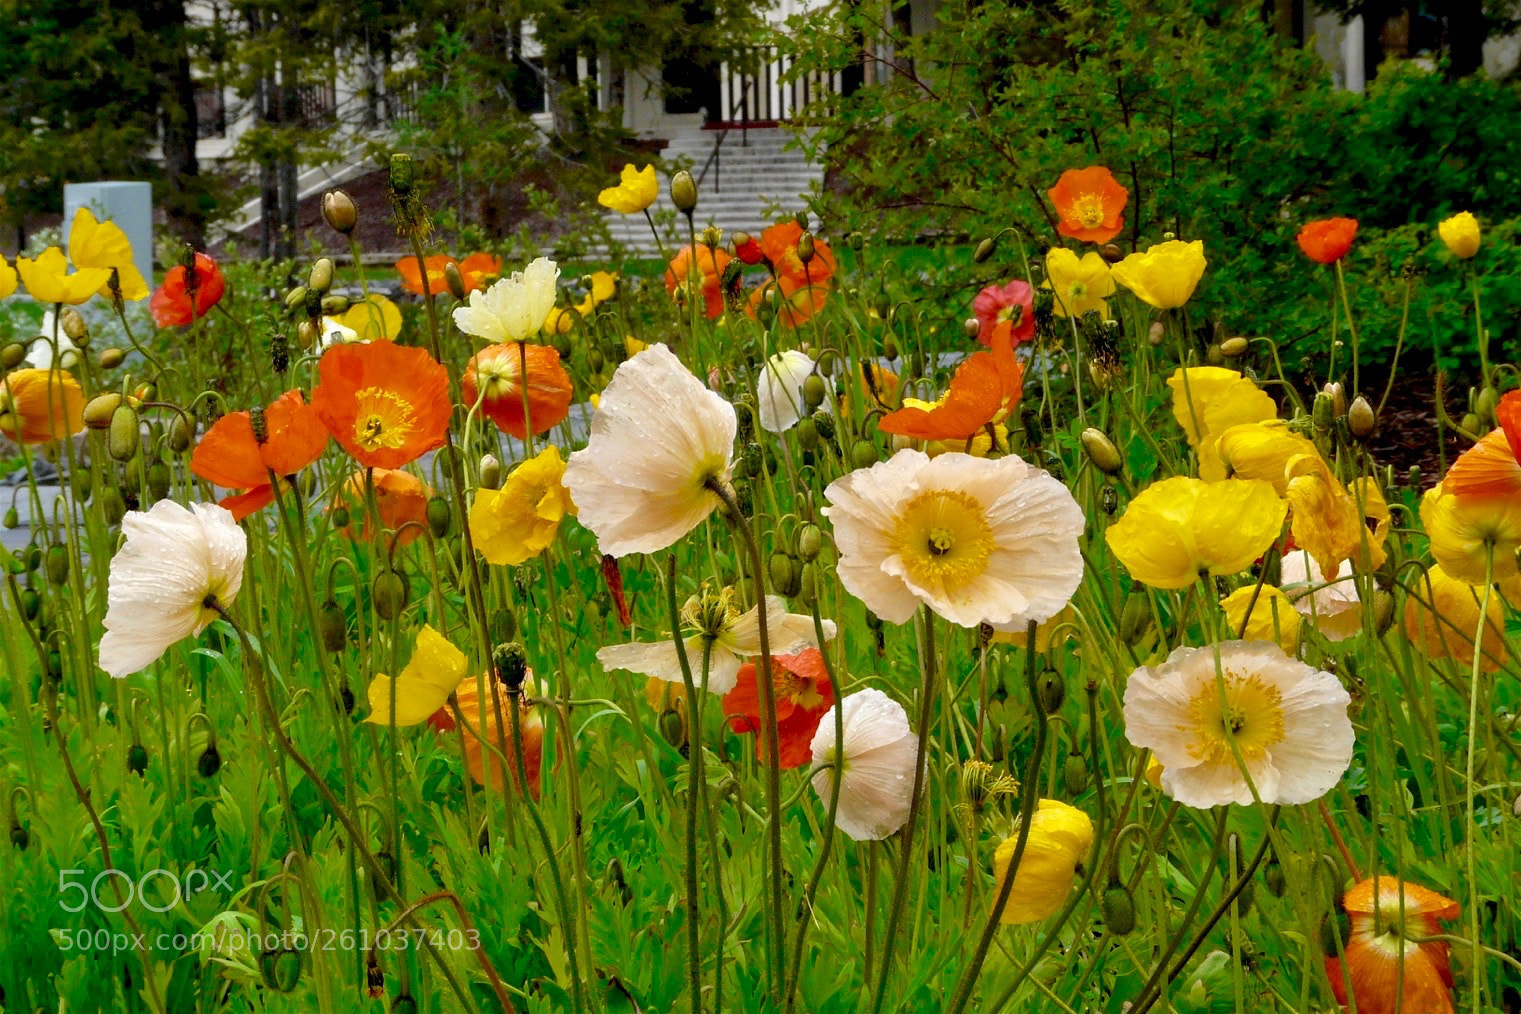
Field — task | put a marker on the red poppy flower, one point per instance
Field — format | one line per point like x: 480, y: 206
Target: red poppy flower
x: 1386, y: 915
x: 1491, y: 467
x: 412, y: 279
x: 780, y: 245
x: 803, y: 695
x: 387, y: 405
x: 1091, y: 204
x: 497, y: 369
x: 478, y: 270
x: 794, y: 302
x: 400, y: 498
x: 747, y: 249
x: 231, y: 456
x: 702, y: 272
x: 1010, y: 307
x: 171, y: 304
x: 985, y: 389
x: 1327, y: 241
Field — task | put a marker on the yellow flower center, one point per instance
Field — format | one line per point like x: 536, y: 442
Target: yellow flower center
x: 498, y: 376
x: 944, y: 538
x: 1089, y: 211
x: 803, y: 692
x: 1252, y: 714
x: 384, y: 419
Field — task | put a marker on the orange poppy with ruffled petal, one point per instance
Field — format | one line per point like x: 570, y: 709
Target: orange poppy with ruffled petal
x: 1492, y: 467
x: 700, y: 273
x: 412, y: 279
x: 478, y: 270
x: 794, y: 303
x: 496, y: 370
x: 803, y: 695
x: 385, y: 404
x: 985, y: 389
x: 39, y: 406
x: 231, y: 456
x: 1327, y: 240
x: 480, y: 711
x: 1091, y: 204
x: 780, y: 242
x: 1388, y: 916
x: 401, y: 502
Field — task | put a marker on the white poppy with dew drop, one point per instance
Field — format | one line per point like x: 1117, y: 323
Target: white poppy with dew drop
x: 175, y: 562
x: 737, y: 639
x: 1334, y: 607
x: 659, y: 440
x: 1286, y: 720
x: 512, y: 309
x: 779, y: 392
x: 977, y: 540
x: 335, y: 332
x: 875, y: 765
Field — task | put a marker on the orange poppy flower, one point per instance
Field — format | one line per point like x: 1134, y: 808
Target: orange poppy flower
x: 1091, y: 204
x: 803, y: 695
x: 780, y: 245
x: 171, y: 305
x: 986, y: 388
x: 1386, y: 915
x: 497, y: 369
x: 412, y: 279
x: 477, y: 271
x: 231, y: 456
x: 387, y: 405
x: 1327, y: 241
x: 400, y: 497
x: 702, y: 272
x: 1491, y: 467
x: 480, y: 714
x: 794, y: 302
x: 38, y: 406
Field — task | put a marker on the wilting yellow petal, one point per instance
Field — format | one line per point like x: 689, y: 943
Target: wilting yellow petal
x: 1272, y: 618
x: 1060, y: 838
x: 424, y: 685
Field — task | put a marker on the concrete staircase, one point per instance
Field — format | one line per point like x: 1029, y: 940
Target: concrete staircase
x: 754, y: 174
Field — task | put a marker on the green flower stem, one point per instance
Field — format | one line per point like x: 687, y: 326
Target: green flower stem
x: 1476, y: 679
x: 1341, y: 287
x: 694, y: 778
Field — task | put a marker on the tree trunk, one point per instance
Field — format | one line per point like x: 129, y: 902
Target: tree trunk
x: 1467, y: 27
x: 179, y: 120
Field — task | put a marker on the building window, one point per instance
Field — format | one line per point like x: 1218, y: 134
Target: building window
x: 210, y: 111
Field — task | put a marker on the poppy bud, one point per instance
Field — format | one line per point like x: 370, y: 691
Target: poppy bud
x: 805, y: 247
x: 1157, y: 333
x: 984, y: 250
x: 333, y: 626
x: 785, y: 579
x: 137, y: 758
x: 1111, y: 253
x: 971, y: 327
x: 1213, y: 356
x: 320, y: 278
x: 31, y: 603
x: 12, y: 355
x: 438, y: 516
x: 113, y: 505
x: 1485, y: 405
x: 831, y: 362
x: 124, y: 437
x: 807, y: 434
x: 99, y: 409
x: 813, y: 392
x: 339, y: 210
x: 809, y: 541
x: 808, y: 584
x: 12, y: 517
x: 403, y: 1004
x: 110, y: 359
x: 389, y: 593
x: 1361, y: 419
x: 801, y: 218
x: 210, y: 761
x: 19, y: 836
x: 281, y: 969
x: 454, y: 280
x: 856, y: 240
x: 1273, y: 877
x: 1075, y: 773
x: 74, y: 326
x: 335, y: 306
x: 295, y: 299
x: 1323, y: 413
x: 181, y: 432
x: 490, y: 472
x: 863, y: 454
x: 1338, y: 398
x: 1471, y: 422
x: 1052, y: 690
x: 504, y: 625
x: 511, y: 664
x: 1118, y: 907
x: 1233, y: 348
x: 339, y: 516
x: 672, y: 729
x: 160, y: 478
x: 684, y: 192
x: 1101, y: 451
x: 882, y: 305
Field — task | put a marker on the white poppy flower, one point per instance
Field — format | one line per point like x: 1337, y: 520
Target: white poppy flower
x: 513, y: 309
x: 658, y: 439
x: 174, y: 562
x: 876, y: 765
x: 779, y: 392
x: 1334, y: 607
x: 977, y: 540
x: 40, y: 354
x: 736, y: 636
x: 1288, y: 720
x: 334, y: 332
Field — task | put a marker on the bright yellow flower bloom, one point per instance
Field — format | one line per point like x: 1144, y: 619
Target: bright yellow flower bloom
x: 48, y: 280
x: 1331, y: 522
x: 7, y: 278
x: 1442, y: 616
x: 1255, y: 451
x: 636, y: 190
x: 1165, y: 275
x: 94, y: 244
x: 1060, y: 838
x: 1273, y: 617
x: 1180, y: 528
x: 519, y: 521
x: 1465, y: 530
x: 424, y: 685
x: 1079, y: 285
x: 633, y: 346
x: 1461, y: 234
x: 373, y: 317
x: 1208, y: 400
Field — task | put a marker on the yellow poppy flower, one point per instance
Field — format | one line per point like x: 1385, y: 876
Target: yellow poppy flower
x: 518, y: 522
x: 1165, y: 275
x: 1442, y: 615
x: 636, y: 190
x: 1273, y: 617
x: 7, y: 278
x: 1079, y: 285
x: 1060, y: 838
x: 373, y: 317
x: 95, y: 244
x: 1465, y: 530
x: 424, y: 685
x: 48, y: 280
x: 1330, y: 521
x: 1255, y: 451
x: 633, y: 346
x: 1461, y: 234
x: 1208, y: 400
x: 1180, y: 528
